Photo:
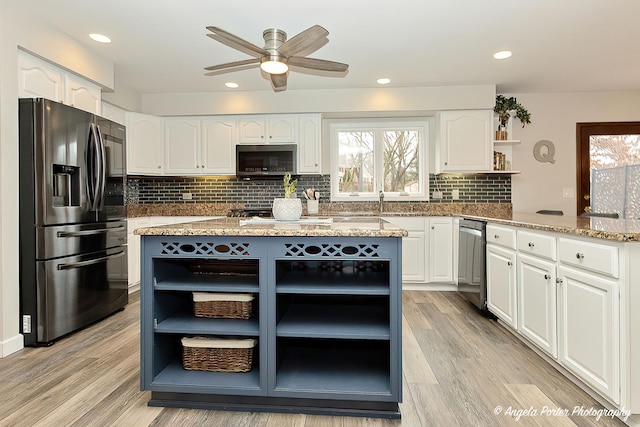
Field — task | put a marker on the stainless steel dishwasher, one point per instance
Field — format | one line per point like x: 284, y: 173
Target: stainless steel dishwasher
x: 472, y: 279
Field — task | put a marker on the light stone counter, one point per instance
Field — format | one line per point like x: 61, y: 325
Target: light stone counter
x: 339, y: 227
x: 622, y: 230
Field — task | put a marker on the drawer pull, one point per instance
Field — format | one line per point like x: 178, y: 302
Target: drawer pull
x: 579, y: 256
x: 531, y: 244
x: 547, y: 276
x: 496, y: 236
x: 509, y: 263
x: 558, y: 281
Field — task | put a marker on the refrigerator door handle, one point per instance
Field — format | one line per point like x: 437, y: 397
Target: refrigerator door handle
x: 92, y: 168
x: 102, y: 171
x: 88, y: 232
x: 80, y: 264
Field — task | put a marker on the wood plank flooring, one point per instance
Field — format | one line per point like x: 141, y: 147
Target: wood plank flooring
x: 458, y: 367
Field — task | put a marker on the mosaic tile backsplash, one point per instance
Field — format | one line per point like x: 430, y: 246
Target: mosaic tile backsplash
x: 490, y: 188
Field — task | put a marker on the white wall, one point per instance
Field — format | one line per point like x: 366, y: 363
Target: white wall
x: 19, y: 28
x: 554, y: 117
x: 345, y: 101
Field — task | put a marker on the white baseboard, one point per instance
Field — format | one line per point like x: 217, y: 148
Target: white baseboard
x: 429, y: 287
x: 134, y: 288
x: 11, y: 345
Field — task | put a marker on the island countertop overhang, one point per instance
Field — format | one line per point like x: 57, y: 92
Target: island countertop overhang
x: 229, y: 226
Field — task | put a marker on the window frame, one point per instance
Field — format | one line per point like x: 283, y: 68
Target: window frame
x: 422, y: 126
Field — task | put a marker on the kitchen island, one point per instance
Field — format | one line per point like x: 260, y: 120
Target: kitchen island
x: 326, y: 314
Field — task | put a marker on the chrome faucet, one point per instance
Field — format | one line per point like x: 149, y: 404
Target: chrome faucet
x: 381, y: 201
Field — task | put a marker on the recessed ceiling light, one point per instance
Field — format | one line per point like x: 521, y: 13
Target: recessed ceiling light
x: 231, y: 85
x: 384, y: 81
x: 503, y: 54
x: 100, y: 38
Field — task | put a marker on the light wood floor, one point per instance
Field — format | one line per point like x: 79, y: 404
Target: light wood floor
x: 458, y: 367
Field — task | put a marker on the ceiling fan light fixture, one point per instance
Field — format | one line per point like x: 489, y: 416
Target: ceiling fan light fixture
x: 274, y: 66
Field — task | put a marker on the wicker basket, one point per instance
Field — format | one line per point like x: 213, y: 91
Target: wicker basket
x: 217, y: 354
x: 222, y: 306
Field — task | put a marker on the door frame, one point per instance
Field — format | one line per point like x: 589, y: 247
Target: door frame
x: 583, y: 132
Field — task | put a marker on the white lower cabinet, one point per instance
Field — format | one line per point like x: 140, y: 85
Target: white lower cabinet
x: 440, y: 249
x: 501, y: 284
x: 414, y: 248
x: 568, y: 302
x: 427, y: 252
x: 537, y: 302
x: 589, y: 329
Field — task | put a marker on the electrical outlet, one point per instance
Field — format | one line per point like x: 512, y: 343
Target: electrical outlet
x: 568, y: 193
x: 437, y: 195
x: 187, y: 196
x: 455, y: 194
x: 26, y: 324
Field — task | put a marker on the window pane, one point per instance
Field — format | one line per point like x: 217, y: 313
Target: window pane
x: 401, y: 169
x: 355, y: 161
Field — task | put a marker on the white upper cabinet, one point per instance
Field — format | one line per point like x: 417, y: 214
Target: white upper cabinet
x: 219, y: 136
x: 41, y: 79
x: 82, y: 94
x: 182, y: 146
x: 145, y: 144
x: 279, y: 128
x: 309, y: 144
x: 113, y: 113
x: 466, y: 142
x: 38, y: 78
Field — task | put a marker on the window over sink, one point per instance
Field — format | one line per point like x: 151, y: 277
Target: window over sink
x: 382, y: 155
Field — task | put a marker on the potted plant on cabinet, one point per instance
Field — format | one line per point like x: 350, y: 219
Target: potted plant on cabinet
x: 287, y: 208
x: 507, y: 108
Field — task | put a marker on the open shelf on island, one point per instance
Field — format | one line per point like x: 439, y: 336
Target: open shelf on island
x: 335, y: 321
x: 352, y: 277
x: 321, y: 366
x: 174, y: 377
x: 184, y: 323
x: 207, y: 274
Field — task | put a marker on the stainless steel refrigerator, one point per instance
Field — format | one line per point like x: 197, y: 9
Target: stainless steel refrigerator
x: 73, y: 231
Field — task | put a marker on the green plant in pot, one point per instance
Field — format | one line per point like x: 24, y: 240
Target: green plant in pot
x: 505, y: 109
x: 287, y: 208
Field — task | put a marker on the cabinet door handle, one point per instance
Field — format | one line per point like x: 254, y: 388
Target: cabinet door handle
x: 509, y: 263
x: 496, y: 236
x: 202, y: 166
x: 446, y: 163
x: 433, y: 227
x: 558, y: 281
x: 531, y: 244
x: 159, y: 167
x: 197, y: 166
x: 579, y: 256
x: 547, y: 276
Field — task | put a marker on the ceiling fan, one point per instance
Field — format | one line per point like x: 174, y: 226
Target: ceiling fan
x: 278, y: 54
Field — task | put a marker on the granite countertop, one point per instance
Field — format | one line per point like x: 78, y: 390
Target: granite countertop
x: 622, y: 230
x: 337, y: 227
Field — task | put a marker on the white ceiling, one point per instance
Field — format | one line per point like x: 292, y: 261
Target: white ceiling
x: 161, y: 46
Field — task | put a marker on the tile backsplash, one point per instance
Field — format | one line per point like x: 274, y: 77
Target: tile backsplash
x: 489, y: 188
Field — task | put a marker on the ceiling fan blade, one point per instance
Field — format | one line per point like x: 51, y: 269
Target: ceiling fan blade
x: 311, y: 38
x: 279, y: 82
x: 236, y: 42
x: 317, y: 64
x: 235, y: 64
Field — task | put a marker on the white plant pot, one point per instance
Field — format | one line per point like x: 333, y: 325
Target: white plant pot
x: 287, y: 209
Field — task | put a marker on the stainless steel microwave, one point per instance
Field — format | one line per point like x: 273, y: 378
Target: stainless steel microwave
x: 266, y: 160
